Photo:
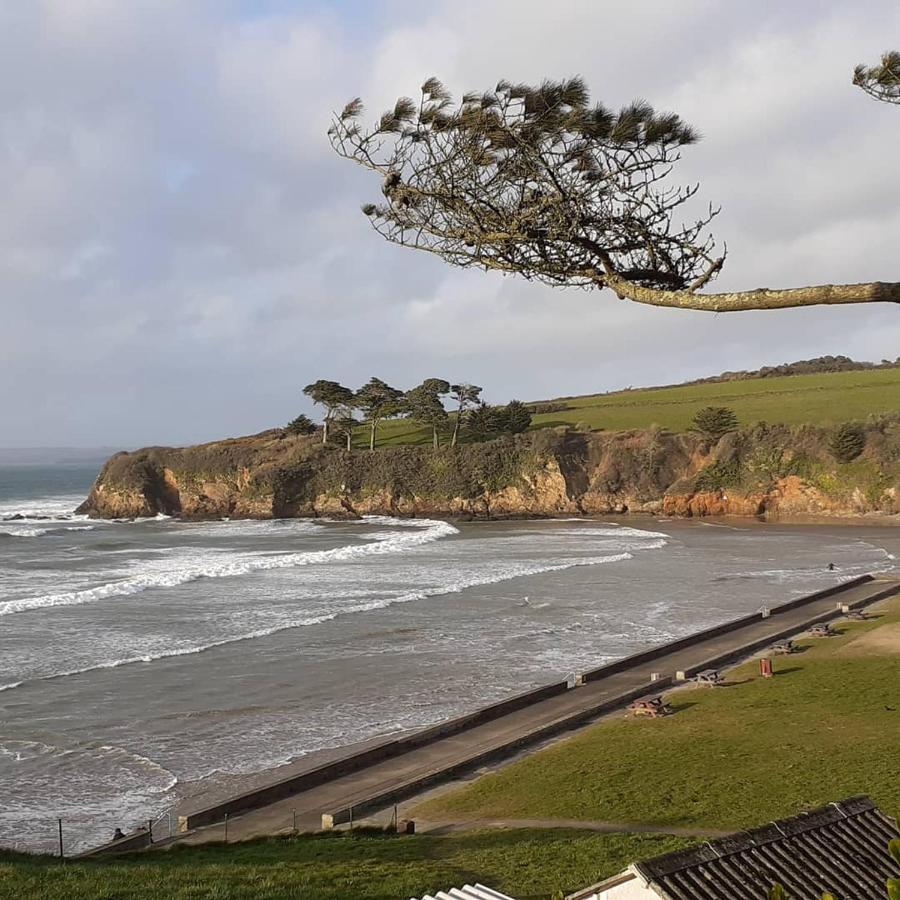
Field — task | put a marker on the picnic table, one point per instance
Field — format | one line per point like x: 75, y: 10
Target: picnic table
x: 785, y: 646
x: 708, y: 676
x: 823, y: 629
x: 858, y: 615
x: 650, y: 706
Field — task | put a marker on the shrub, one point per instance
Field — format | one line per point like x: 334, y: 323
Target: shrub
x: 515, y: 417
x: 848, y: 441
x: 719, y: 475
x: 301, y: 425
x: 714, y: 421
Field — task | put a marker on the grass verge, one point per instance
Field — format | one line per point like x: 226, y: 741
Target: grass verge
x: 339, y: 866
x: 825, y: 727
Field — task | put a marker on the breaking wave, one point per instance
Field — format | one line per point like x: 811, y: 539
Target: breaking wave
x: 415, y: 533
x: 505, y: 574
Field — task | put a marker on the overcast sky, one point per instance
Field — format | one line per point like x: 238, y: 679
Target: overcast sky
x: 180, y: 250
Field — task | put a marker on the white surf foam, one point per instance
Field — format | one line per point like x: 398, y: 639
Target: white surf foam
x: 24, y: 532
x: 59, y: 508
x: 495, y: 577
x: 180, y: 571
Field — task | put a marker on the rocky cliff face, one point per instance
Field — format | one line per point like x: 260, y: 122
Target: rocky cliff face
x: 764, y: 471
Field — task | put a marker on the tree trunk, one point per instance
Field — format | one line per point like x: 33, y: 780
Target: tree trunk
x: 325, y: 430
x: 434, y: 436
x: 762, y: 298
x: 456, y: 425
x: 349, y: 439
x: 372, y: 435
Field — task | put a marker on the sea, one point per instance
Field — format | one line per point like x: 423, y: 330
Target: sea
x: 143, y: 661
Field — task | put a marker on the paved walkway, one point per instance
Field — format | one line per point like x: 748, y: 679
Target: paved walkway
x: 406, y: 775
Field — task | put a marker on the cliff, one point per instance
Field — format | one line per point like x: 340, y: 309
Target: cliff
x: 766, y: 470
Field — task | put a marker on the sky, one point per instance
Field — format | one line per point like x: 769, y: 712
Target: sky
x: 181, y: 251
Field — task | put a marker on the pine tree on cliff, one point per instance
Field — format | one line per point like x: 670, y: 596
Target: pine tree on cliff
x: 301, y: 425
x: 423, y: 403
x: 539, y: 182
x: 515, y: 417
x: 378, y: 400
x: 714, y: 421
x: 332, y: 396
x: 465, y: 396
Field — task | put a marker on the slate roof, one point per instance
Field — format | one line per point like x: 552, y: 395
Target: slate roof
x: 842, y: 848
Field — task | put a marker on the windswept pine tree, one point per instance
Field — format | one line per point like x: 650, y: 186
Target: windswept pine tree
x: 423, y: 403
x: 465, y: 396
x: 540, y: 182
x: 378, y: 400
x: 332, y: 396
x: 881, y: 81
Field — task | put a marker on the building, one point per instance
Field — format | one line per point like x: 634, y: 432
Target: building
x: 841, y: 848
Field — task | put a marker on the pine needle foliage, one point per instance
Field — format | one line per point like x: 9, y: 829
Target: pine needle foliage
x: 714, y: 421
x: 535, y: 180
x: 848, y: 442
x: 881, y: 81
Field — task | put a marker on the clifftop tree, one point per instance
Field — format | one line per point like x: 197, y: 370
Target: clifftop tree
x: 465, y: 396
x: 332, y: 396
x: 378, y: 400
x: 538, y: 182
x: 714, y: 421
x: 516, y: 417
x: 424, y: 405
x: 301, y: 425
x: 882, y: 81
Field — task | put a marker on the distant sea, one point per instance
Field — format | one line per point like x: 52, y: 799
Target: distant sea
x: 143, y: 660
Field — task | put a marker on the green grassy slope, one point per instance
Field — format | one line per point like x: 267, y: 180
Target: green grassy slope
x: 525, y: 863
x: 794, y: 399
x: 824, y: 728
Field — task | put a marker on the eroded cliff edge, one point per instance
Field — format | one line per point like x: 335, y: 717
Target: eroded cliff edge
x: 760, y: 471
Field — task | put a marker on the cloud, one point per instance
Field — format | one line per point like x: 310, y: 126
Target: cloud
x: 181, y: 251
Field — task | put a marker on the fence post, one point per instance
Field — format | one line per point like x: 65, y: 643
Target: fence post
x: 294, y: 825
x: 150, y: 829
x: 62, y: 857
x: 351, y: 818
x: 226, y: 828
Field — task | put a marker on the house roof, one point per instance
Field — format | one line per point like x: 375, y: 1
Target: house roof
x: 468, y: 892
x: 842, y: 848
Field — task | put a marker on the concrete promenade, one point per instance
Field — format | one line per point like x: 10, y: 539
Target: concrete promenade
x: 379, y: 785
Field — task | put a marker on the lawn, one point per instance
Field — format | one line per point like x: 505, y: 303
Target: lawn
x: 338, y: 866
x: 820, y: 399
x: 825, y: 728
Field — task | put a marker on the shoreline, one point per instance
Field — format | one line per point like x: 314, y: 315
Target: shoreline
x: 519, y: 728
x: 219, y: 786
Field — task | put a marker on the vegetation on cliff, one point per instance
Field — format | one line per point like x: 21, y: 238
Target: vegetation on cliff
x: 761, y: 469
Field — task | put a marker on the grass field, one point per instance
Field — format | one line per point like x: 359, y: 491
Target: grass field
x: 821, y: 399
x: 339, y: 867
x: 827, y: 726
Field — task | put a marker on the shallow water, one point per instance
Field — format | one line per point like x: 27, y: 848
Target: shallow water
x: 140, y: 660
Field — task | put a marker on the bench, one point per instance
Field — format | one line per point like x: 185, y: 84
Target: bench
x: 650, y: 706
x: 708, y: 676
x: 823, y: 629
x: 785, y: 646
